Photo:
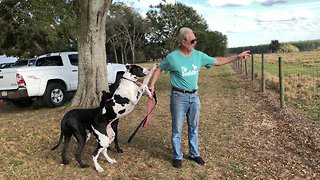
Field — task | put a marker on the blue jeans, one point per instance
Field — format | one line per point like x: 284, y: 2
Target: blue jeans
x: 184, y: 105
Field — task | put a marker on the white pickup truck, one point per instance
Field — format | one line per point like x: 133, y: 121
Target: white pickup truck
x: 49, y: 80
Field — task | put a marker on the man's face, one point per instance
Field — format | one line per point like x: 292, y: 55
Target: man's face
x: 190, y: 42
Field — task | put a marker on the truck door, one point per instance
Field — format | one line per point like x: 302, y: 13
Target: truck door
x: 74, y: 70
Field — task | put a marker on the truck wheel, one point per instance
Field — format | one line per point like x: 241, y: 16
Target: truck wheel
x: 23, y: 103
x: 55, y: 95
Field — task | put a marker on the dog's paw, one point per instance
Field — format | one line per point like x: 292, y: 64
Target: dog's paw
x: 144, y: 87
x: 84, y: 166
x: 119, y: 150
x: 149, y: 93
x: 112, y: 161
x: 65, y: 162
x: 100, y: 170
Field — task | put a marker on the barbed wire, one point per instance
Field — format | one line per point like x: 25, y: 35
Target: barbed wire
x: 301, y: 76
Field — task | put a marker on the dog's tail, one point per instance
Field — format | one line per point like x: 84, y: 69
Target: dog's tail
x: 59, y: 142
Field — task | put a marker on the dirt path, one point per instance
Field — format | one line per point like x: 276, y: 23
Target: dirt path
x: 276, y: 143
x: 243, y: 134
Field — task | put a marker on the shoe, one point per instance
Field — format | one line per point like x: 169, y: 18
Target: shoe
x: 177, y: 163
x: 198, y: 160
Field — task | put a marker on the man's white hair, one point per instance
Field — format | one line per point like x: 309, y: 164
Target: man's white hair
x: 183, y: 34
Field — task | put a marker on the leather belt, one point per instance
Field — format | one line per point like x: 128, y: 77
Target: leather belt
x: 183, y: 91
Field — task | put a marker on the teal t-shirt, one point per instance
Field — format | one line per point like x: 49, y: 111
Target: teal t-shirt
x: 184, y: 70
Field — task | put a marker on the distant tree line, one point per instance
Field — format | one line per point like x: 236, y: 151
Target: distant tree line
x: 30, y: 28
x: 276, y: 46
x: 309, y: 45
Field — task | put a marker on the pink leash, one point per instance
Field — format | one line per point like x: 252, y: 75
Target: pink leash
x: 146, y: 119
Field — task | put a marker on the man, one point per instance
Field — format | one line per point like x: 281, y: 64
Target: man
x: 184, y: 65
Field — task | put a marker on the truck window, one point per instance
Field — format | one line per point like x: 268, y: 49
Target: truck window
x: 73, y: 59
x: 31, y: 62
x: 49, y: 61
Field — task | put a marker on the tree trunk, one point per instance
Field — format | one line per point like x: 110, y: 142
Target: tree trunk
x: 122, y: 57
x: 133, y: 53
x: 92, y: 77
x: 115, y: 53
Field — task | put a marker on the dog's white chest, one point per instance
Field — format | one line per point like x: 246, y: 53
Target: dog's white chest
x: 129, y: 90
x: 104, y: 139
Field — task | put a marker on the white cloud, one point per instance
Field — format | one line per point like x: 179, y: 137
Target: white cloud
x: 271, y: 2
x: 155, y: 2
x: 218, y: 3
x: 285, y: 15
x: 244, y: 26
x: 275, y: 15
x: 198, y: 7
x: 143, y: 6
x: 237, y: 25
x: 245, y: 13
x: 288, y: 20
x: 303, y: 13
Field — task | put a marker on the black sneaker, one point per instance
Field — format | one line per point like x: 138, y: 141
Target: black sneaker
x: 198, y: 160
x: 177, y: 163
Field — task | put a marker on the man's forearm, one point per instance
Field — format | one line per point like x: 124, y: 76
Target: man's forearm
x: 225, y: 60
x: 155, y: 77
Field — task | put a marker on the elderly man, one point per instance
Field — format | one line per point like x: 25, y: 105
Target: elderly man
x: 184, y: 65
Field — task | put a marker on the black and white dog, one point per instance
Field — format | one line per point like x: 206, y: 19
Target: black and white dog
x: 123, y: 101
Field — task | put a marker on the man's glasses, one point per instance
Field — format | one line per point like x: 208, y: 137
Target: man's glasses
x: 193, y: 41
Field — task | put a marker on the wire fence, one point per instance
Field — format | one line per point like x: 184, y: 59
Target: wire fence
x: 300, y: 76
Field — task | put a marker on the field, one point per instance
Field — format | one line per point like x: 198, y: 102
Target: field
x: 243, y: 134
x: 301, y: 72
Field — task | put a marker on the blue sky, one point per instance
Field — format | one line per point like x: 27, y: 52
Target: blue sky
x: 253, y: 22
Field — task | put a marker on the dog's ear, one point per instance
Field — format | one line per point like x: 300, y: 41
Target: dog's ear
x: 128, y: 66
x: 104, y: 95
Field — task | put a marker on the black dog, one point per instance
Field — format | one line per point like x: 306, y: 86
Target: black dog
x: 76, y: 122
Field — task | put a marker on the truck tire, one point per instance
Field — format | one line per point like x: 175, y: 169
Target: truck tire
x: 23, y: 103
x: 55, y: 95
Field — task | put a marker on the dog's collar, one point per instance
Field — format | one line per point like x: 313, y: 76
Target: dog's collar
x: 136, y: 82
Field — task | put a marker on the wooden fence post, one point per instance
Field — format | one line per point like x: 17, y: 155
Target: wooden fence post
x: 246, y: 67
x: 252, y: 68
x: 263, y: 81
x: 281, y: 83
x: 241, y: 66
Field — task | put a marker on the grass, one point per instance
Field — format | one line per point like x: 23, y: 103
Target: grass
x: 28, y: 134
x: 293, y: 68
x: 231, y: 139
x: 301, y: 72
